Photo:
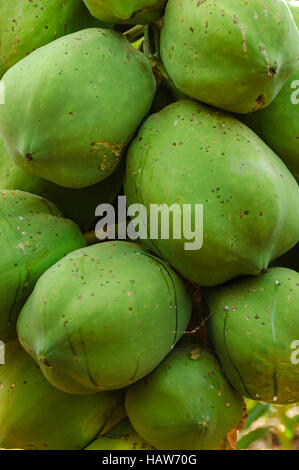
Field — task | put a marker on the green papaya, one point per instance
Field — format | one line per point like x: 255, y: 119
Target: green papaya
x: 104, y: 317
x: 26, y: 25
x: 233, y: 55
x: 88, y: 93
x: 121, y: 437
x: 186, y: 403
x: 191, y: 154
x: 33, y: 236
x: 126, y: 11
x: 36, y: 416
x: 278, y: 126
x: 254, y: 326
x: 76, y: 204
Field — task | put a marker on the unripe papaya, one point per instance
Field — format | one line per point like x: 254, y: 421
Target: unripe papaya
x: 88, y: 93
x: 126, y: 11
x: 185, y: 403
x: 36, y: 416
x: 278, y: 125
x: 76, y: 204
x: 233, y: 55
x: 121, y: 437
x: 33, y: 236
x: 104, y: 317
x: 254, y: 326
x: 26, y: 26
x: 206, y: 156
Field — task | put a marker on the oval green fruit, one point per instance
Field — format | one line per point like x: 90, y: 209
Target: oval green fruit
x: 88, y: 93
x: 277, y: 124
x: 36, y: 416
x: 104, y: 317
x: 233, y: 55
x: 186, y: 403
x: 121, y: 437
x: 26, y: 26
x: 126, y: 11
x: 33, y: 235
x: 254, y: 326
x: 191, y: 154
x: 76, y: 204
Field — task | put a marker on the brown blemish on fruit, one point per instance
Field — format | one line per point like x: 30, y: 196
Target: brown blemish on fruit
x: 260, y: 101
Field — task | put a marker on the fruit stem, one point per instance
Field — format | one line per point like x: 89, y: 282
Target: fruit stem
x: 134, y: 33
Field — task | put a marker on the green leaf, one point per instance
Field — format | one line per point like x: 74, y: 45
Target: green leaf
x: 259, y: 410
x: 252, y: 436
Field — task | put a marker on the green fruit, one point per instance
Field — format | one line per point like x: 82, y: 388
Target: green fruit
x: 76, y: 204
x: 205, y: 156
x: 34, y: 415
x: 113, y: 312
x: 278, y: 126
x: 185, y: 403
x: 233, y: 55
x: 88, y: 93
x: 34, y: 236
x: 126, y: 11
x: 26, y: 25
x: 121, y: 437
x: 254, y: 326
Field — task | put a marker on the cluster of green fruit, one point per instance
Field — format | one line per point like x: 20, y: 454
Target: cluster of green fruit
x: 93, y: 99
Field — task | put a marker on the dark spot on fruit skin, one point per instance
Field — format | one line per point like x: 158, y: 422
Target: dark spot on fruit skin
x: 260, y: 101
x: 29, y: 157
x: 273, y: 71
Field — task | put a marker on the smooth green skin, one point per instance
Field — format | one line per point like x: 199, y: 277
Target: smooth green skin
x: 208, y: 157
x: 26, y: 25
x: 186, y: 403
x: 278, y: 126
x: 33, y: 236
x: 36, y: 416
x: 126, y: 11
x: 76, y: 204
x: 121, y: 437
x: 233, y: 55
x: 104, y: 317
x: 252, y: 324
x: 76, y: 120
